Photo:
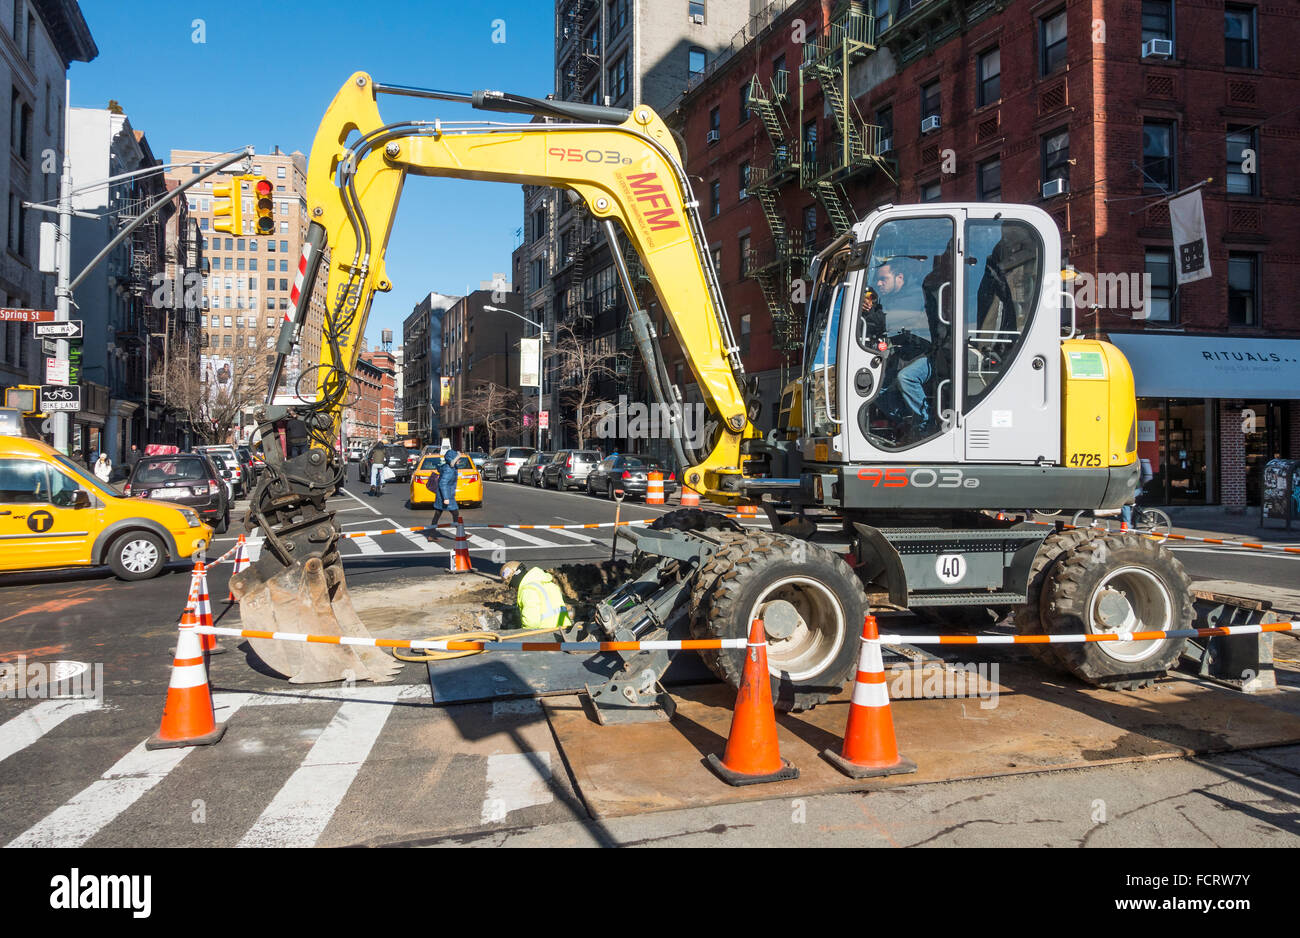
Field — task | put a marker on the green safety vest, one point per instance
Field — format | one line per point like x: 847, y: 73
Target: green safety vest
x: 540, y: 602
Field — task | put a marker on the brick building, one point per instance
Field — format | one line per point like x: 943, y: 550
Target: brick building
x: 481, y: 347
x: 372, y: 415
x: 1097, y: 112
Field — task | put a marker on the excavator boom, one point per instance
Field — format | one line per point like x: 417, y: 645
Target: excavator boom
x: 627, y: 169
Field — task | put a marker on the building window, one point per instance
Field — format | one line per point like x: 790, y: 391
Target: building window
x: 745, y: 112
x: 809, y: 227
x: 284, y: 284
x: 990, y: 77
x: 270, y: 283
x: 1239, y: 37
x: 284, y: 227
x: 1051, y: 39
x: 1243, y: 289
x: 618, y: 78
x: 695, y: 61
x: 695, y: 10
x: 883, y: 16
x: 284, y: 266
x: 930, y: 100
x: 239, y: 263
x: 745, y: 329
x: 239, y: 244
x: 990, y: 181
x: 230, y: 244
x: 616, y: 17
x: 932, y: 191
x: 716, y: 254
x: 715, y: 123
x: 279, y: 172
x: 1056, y: 156
x: 1158, y: 168
x: 270, y: 246
x: 810, y: 141
x: 744, y: 180
x: 284, y: 246
x: 1157, y: 20
x: 1160, y: 301
x: 744, y: 256
x: 715, y: 198
x: 1242, y: 176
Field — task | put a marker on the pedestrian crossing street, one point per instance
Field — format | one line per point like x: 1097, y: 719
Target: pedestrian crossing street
x: 296, y: 768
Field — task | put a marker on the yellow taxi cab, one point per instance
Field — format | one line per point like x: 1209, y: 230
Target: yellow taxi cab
x: 55, y: 514
x: 469, y: 483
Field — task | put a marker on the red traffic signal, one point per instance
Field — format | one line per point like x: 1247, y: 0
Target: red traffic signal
x: 265, y: 208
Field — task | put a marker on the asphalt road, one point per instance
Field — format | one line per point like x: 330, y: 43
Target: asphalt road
x: 337, y: 765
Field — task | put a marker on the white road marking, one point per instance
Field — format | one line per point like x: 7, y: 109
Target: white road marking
x: 577, y: 536
x: 367, y: 545
x: 516, y: 780
x: 301, y: 810
x: 360, y: 502
x: 420, y: 540
x: 30, y: 725
x: 98, y: 805
x: 525, y: 537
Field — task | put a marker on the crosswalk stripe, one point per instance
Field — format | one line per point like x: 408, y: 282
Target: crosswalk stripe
x: 516, y: 780
x: 90, y: 811
x: 422, y: 542
x: 578, y: 536
x: 367, y: 545
x: 30, y: 725
x: 301, y: 810
x: 529, y: 538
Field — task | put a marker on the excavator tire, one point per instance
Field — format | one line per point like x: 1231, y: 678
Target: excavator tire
x: 1028, y: 619
x: 1120, y: 583
x: 811, y: 602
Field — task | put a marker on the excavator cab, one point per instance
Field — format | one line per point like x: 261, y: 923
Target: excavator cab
x: 934, y: 336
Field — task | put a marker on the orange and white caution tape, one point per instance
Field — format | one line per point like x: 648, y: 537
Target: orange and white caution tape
x: 445, y: 644
x: 1074, y: 639
x: 1223, y: 542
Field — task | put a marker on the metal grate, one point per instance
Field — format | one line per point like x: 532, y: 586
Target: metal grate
x: 1052, y: 99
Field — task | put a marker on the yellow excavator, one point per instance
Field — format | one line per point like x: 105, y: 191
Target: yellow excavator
x: 942, y: 381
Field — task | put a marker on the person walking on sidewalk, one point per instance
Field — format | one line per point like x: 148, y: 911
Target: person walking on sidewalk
x: 103, y: 468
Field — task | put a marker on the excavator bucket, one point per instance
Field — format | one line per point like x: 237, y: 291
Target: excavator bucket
x: 297, y: 599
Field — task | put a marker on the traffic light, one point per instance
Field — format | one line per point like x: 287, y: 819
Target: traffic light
x: 228, y: 218
x: 265, y: 208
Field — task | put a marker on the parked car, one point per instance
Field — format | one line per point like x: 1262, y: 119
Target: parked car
x: 252, y: 467
x: 355, y: 452
x: 189, y: 479
x: 477, y: 456
x: 232, y: 459
x: 469, y: 483
x: 628, y: 471
x: 55, y: 514
x: 504, y: 462
x: 227, y: 473
x: 569, y: 468
x: 530, y: 472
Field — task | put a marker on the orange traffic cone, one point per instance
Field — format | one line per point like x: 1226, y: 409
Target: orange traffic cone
x: 1123, y: 526
x: 203, y: 610
x: 1002, y: 516
x: 753, y: 755
x: 690, y: 498
x: 870, y: 748
x: 242, y: 563
x: 460, y: 562
x: 188, y: 718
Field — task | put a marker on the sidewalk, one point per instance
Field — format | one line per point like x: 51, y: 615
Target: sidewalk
x: 1217, y: 521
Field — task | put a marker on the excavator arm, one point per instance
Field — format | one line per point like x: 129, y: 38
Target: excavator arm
x: 627, y: 169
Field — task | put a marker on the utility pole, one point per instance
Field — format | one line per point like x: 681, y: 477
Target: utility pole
x: 63, y: 292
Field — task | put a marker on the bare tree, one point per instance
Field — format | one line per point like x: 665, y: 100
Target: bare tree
x: 581, y: 365
x: 495, y: 408
x: 225, y: 382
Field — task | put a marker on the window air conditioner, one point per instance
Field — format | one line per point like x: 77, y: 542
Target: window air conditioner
x: 930, y: 123
x: 697, y: 19
x: 714, y: 136
x: 886, y: 144
x: 1054, y: 187
x: 744, y: 193
x: 1158, y: 47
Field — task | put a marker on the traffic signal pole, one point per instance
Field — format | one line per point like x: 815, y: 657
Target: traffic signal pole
x: 63, y: 292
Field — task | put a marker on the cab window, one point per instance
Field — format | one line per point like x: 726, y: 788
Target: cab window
x: 24, y: 482
x: 1003, y: 272
x: 61, y: 489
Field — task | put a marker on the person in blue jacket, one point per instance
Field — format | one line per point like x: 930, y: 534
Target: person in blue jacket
x: 443, y: 485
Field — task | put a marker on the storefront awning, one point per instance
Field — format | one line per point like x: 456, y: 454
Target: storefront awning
x: 1212, y: 366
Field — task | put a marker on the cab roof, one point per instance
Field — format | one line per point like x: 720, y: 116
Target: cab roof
x: 23, y: 446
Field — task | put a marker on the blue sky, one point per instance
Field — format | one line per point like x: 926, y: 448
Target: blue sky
x: 267, y: 71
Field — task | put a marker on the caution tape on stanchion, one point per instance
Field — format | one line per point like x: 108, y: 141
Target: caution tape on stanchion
x: 440, y: 644
x: 897, y: 639
x: 1223, y: 542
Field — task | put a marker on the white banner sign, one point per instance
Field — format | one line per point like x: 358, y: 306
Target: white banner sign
x: 1188, y: 221
x: 530, y: 353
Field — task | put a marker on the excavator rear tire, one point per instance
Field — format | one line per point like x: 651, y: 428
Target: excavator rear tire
x: 812, y: 602
x: 1028, y: 619
x: 1112, y: 584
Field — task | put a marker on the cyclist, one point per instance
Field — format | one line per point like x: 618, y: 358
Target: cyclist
x: 1146, y: 475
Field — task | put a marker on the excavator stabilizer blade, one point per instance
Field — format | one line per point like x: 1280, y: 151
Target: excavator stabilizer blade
x: 297, y: 600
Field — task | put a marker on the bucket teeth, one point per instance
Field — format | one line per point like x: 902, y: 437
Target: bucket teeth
x: 297, y: 599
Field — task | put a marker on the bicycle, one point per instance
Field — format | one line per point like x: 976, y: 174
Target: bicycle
x: 1149, y: 521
